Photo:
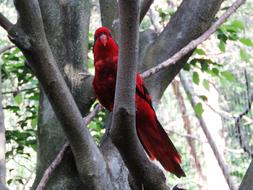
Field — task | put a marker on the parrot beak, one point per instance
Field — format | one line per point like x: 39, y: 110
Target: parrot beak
x: 103, y: 38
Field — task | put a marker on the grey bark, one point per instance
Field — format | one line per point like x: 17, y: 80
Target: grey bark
x: 192, y: 18
x: 109, y: 12
x: 247, y: 179
x: 123, y: 132
x: 28, y: 34
x: 69, y: 47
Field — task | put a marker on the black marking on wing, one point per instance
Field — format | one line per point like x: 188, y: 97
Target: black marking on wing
x: 145, y: 95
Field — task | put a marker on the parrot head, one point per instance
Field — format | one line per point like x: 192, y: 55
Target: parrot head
x: 102, y: 36
x: 104, y: 45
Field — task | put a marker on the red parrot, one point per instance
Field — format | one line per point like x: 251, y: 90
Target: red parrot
x: 150, y: 132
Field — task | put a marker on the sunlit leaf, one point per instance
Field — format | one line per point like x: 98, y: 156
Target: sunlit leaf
x: 206, y: 84
x: 222, y: 46
x: 18, y: 99
x: 238, y: 24
x: 244, y: 55
x: 246, y: 41
x: 198, y: 109
x: 228, y: 75
x: 199, y: 51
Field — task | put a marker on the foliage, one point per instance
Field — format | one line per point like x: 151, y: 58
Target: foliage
x: 20, y: 103
x: 97, y: 125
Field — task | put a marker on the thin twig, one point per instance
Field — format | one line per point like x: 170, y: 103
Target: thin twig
x: 52, y: 167
x: 17, y: 91
x: 92, y: 114
x: 168, y: 131
x: 240, y: 135
x: 194, y: 43
x: 6, y: 48
x: 28, y: 179
x: 49, y: 171
x: 208, y: 135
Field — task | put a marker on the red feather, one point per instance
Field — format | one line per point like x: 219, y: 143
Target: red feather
x: 150, y: 132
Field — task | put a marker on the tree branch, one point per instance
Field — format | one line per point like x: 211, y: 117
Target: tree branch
x: 145, y: 5
x: 191, y: 19
x: 194, y: 43
x: 187, y: 126
x: 6, y: 48
x: 123, y: 132
x: 51, y: 168
x: 242, y: 139
x: 47, y: 174
x: 208, y: 135
x: 5, y: 23
x: 17, y: 91
x: 92, y: 171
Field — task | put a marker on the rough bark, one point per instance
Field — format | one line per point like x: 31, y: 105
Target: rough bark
x: 123, y: 132
x: 247, y: 179
x: 109, y: 12
x: 69, y: 47
x: 28, y: 34
x: 192, y: 18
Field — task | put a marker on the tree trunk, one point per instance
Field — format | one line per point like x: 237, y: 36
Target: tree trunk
x: 66, y: 26
x: 247, y: 180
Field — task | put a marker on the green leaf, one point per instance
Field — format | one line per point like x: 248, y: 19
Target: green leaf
x: 200, y: 51
x: 195, y: 78
x: 34, y: 122
x: 204, y: 66
x: 244, y: 55
x: 233, y: 36
x: 214, y: 72
x: 186, y: 67
x: 198, y: 109
x: 222, y: 46
x: 206, y: 84
x: 246, y: 41
x: 228, y: 75
x: 18, y: 99
x: 221, y: 35
x: 238, y: 24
